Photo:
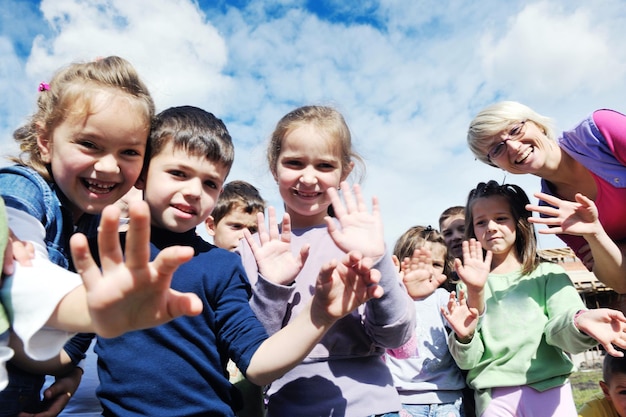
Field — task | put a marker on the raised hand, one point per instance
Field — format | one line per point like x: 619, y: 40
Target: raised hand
x: 273, y: 253
x: 575, y: 218
x: 130, y: 292
x: 605, y: 325
x: 418, y: 274
x: 343, y: 286
x: 360, y: 230
x: 475, y: 267
x: 463, y: 319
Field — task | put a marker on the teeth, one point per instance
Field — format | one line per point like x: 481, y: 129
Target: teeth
x: 98, y: 187
x: 303, y: 194
x: 524, y: 155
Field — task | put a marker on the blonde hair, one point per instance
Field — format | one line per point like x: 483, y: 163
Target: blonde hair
x: 329, y: 121
x: 72, y: 86
x: 498, y: 117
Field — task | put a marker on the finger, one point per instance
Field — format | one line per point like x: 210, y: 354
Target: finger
x: 83, y: 261
x: 550, y: 199
x: 261, y: 229
x: 348, y: 196
x: 285, y: 236
x: 335, y: 200
x: 183, y: 304
x: 584, y: 200
x: 137, y: 238
x: 546, y: 210
x: 273, y: 223
x: 360, y: 201
x: 168, y: 260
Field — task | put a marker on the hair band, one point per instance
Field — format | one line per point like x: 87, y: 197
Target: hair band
x: 44, y: 86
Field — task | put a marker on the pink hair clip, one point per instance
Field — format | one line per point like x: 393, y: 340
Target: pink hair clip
x: 44, y: 87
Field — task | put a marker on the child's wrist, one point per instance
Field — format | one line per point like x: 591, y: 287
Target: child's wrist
x: 465, y: 339
x: 576, y: 318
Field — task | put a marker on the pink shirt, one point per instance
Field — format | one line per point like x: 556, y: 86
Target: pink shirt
x: 599, y: 143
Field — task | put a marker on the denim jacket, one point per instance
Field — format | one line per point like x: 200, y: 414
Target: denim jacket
x: 24, y: 189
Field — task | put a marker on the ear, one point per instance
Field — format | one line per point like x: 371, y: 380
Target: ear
x: 605, y: 389
x: 141, y: 181
x: 396, y: 261
x: 347, y: 172
x: 43, y: 143
x: 210, y: 225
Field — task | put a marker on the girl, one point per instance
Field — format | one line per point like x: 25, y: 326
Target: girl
x: 310, y: 155
x: 521, y: 314
x: 427, y: 378
x: 81, y: 150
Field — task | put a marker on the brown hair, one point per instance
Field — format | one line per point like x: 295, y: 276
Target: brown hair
x: 415, y: 238
x: 237, y: 194
x: 525, y: 238
x: 325, y: 118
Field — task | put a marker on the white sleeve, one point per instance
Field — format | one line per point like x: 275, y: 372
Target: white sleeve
x: 32, y: 293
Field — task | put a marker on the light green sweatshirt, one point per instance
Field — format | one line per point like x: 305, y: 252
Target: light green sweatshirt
x: 524, y: 333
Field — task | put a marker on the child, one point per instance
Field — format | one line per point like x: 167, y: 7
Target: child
x: 81, y: 150
x: 426, y: 376
x: 179, y: 368
x: 235, y: 210
x: 452, y: 226
x: 521, y: 314
x: 613, y: 385
x: 310, y: 155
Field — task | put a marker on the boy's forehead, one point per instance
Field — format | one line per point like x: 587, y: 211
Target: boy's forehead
x: 238, y: 214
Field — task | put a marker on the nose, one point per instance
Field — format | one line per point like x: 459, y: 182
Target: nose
x: 107, y: 163
x: 491, y: 225
x: 193, y: 188
x: 308, y: 176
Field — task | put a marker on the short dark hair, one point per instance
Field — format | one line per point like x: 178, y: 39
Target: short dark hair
x: 237, y: 194
x: 193, y: 130
x: 613, y: 365
x: 451, y: 211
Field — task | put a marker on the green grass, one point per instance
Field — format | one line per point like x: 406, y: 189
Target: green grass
x: 585, y: 385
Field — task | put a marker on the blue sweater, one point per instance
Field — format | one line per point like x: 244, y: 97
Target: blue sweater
x: 179, y: 368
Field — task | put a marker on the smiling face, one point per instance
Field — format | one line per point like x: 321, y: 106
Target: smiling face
x: 523, y: 149
x: 494, y: 226
x: 96, y: 158
x: 181, y: 189
x: 308, y: 164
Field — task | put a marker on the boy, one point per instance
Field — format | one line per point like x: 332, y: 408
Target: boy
x: 179, y: 368
x: 235, y: 210
x: 613, y: 403
x: 452, y: 227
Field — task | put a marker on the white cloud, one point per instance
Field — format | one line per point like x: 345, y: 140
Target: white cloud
x: 408, y: 84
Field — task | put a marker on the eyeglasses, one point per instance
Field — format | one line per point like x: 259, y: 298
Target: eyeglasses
x: 515, y: 133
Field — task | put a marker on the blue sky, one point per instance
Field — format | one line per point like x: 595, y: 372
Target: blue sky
x: 407, y: 75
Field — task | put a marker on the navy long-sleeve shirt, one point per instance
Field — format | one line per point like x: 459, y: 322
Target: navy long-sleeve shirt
x: 179, y: 368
